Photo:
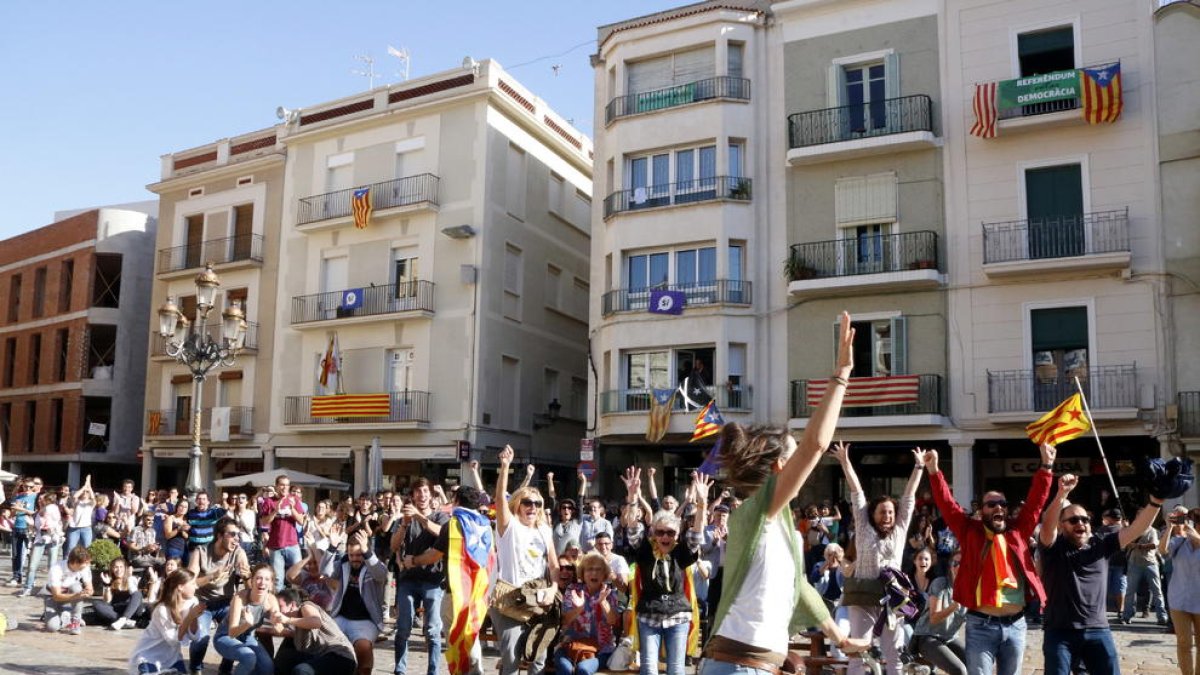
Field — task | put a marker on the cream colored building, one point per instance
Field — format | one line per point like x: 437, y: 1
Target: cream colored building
x: 219, y: 203
x: 461, y: 305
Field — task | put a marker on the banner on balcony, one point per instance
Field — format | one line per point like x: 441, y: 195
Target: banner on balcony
x: 1102, y: 93
x: 1056, y: 86
x: 666, y: 302
x: 360, y: 205
x: 352, y: 298
x: 219, y: 424
x: 352, y: 405
x: 866, y: 392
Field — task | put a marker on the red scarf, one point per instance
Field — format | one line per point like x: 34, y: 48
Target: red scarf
x: 997, y: 573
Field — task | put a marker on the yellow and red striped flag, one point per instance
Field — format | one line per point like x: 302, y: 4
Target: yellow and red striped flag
x: 1065, y: 422
x: 1102, y: 93
x: 352, y: 405
x: 360, y: 204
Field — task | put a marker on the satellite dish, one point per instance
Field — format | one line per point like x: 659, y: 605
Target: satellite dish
x: 281, y: 112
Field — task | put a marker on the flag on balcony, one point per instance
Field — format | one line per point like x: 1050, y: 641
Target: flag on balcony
x: 708, y: 422
x: 661, y: 402
x: 352, y: 405
x: 1065, y: 422
x: 218, y: 424
x: 360, y: 204
x: 330, y: 375
x: 865, y: 392
x: 666, y: 302
x: 984, y: 105
x: 154, y: 424
x: 1102, y: 93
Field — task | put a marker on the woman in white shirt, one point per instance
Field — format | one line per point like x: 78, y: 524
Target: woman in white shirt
x: 524, y: 552
x: 880, y: 530
x: 172, y: 624
x: 79, y: 525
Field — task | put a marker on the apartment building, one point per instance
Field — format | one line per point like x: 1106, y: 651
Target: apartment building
x: 72, y: 364
x: 220, y: 204
x: 1055, y: 246
x: 681, y: 261
x: 454, y: 315
x: 859, y: 210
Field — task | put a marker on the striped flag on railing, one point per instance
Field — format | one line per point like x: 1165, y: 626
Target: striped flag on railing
x: 352, y: 405
x: 984, y: 104
x: 870, y: 391
x: 360, y: 204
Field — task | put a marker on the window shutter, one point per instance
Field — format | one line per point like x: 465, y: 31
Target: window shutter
x: 891, y: 75
x: 694, y: 64
x: 835, y: 86
x: 899, y: 345
x: 649, y: 75
x: 735, y: 68
x: 865, y: 199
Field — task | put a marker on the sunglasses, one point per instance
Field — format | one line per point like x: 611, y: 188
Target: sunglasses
x: 993, y: 503
x: 231, y: 533
x: 536, y: 503
x: 665, y: 533
x: 1077, y: 520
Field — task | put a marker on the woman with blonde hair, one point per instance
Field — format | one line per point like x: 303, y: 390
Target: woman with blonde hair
x: 524, y: 552
x: 589, y: 619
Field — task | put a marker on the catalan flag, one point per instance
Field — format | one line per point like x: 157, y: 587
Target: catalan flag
x: 469, y: 563
x: 1102, y: 93
x: 352, y: 405
x: 708, y: 422
x: 1065, y: 422
x: 984, y: 104
x: 360, y: 204
x: 661, y: 402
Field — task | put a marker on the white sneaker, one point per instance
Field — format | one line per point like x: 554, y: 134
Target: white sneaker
x: 118, y: 624
x: 75, y: 627
x: 12, y: 582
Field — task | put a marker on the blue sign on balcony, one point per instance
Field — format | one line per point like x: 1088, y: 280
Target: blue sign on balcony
x: 667, y: 302
x: 352, y: 298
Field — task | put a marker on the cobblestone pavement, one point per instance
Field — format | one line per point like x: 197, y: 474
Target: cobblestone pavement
x: 1143, y: 647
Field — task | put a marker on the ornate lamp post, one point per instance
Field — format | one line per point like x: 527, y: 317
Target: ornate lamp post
x: 190, y: 344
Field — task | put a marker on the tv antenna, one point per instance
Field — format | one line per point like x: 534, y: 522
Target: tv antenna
x: 401, y: 54
x: 369, y: 72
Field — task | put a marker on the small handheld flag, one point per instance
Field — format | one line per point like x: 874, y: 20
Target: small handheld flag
x: 1065, y: 422
x: 708, y: 422
x: 360, y: 204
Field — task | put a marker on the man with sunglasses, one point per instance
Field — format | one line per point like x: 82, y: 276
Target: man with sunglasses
x: 1075, y: 566
x: 997, y: 578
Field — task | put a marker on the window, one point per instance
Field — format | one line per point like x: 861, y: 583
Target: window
x: 865, y: 208
x: 648, y: 270
x: 10, y: 360
x: 106, y: 288
x: 66, y: 279
x: 5, y: 423
x: 576, y: 407
x: 405, y: 269
x: 243, y: 233
x: 735, y: 59
x: 56, y: 420
x: 859, y: 86
x: 63, y: 349
x: 30, y: 425
x: 1054, y: 208
x: 510, y: 392
x: 339, y: 172
x: 183, y: 407
x: 514, y: 197
x: 554, y: 194
x: 737, y: 376
x: 553, y: 287
x: 880, y: 347
x: 678, y: 68
x: 1059, y: 338
x: 193, y: 238
x: 400, y: 364
x: 865, y: 94
x: 513, y: 272
x: 409, y: 161
x: 1046, y: 51
x: 736, y: 152
x: 35, y: 358
x: 14, y: 298
x: 229, y: 394
x: 549, y: 387
x: 668, y: 369
x: 580, y: 291
x: 688, y: 173
x: 39, y: 292
x: 648, y: 370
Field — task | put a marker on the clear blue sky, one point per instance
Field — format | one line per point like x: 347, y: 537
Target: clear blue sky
x: 92, y: 93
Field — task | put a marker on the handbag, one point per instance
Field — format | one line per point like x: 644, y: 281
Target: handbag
x: 581, y: 649
x: 525, y: 602
x: 862, y: 592
x: 622, y: 657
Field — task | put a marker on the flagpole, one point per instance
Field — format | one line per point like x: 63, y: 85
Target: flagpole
x: 1092, y: 423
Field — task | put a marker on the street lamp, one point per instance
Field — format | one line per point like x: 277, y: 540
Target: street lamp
x: 190, y: 344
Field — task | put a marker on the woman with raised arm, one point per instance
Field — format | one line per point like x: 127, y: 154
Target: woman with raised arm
x: 764, y: 561
x: 880, y: 528
x: 524, y: 552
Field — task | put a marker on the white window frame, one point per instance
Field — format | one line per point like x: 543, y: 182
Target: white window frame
x: 699, y: 294
x: 516, y: 291
x: 1027, y: 334
x: 1085, y: 186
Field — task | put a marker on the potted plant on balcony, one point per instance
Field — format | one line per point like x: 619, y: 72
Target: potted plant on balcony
x: 797, y: 269
x: 740, y: 189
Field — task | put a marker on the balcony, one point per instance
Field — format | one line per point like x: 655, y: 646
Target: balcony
x: 246, y: 249
x: 711, y: 89
x: 1189, y: 414
x: 1062, y: 110
x: 713, y: 188
x: 638, y: 400
x: 411, y: 193
x: 158, y: 344
x: 860, y: 130
x: 1083, y: 242
x: 404, y: 406
x: 867, y: 407
x: 171, y: 422
x: 1018, y: 395
x: 864, y: 265
x: 698, y: 294
x: 407, y: 297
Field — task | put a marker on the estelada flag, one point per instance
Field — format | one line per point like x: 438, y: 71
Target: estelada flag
x: 1102, y: 93
x: 1065, y: 422
x: 360, y: 204
x: 469, y: 563
x: 661, y: 402
x: 708, y: 422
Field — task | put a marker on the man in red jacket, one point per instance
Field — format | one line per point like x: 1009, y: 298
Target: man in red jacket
x: 997, y: 578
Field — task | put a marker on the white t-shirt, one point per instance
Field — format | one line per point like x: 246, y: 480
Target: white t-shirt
x: 62, y: 576
x: 771, y: 574
x: 159, y: 643
x: 521, y: 552
x: 82, y: 515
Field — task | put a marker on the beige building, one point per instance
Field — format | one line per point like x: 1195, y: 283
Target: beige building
x: 459, y: 308
x: 220, y: 203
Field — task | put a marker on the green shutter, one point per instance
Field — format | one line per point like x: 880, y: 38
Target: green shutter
x: 1059, y: 328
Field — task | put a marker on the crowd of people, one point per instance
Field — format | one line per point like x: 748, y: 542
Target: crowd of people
x: 577, y: 585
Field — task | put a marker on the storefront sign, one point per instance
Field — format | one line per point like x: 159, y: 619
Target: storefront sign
x: 1080, y: 466
x: 313, y: 453
x: 1056, y: 86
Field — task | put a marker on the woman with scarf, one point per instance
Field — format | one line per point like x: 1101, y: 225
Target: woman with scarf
x: 764, y: 560
x: 589, y: 617
x: 880, y: 528
x: 663, y: 606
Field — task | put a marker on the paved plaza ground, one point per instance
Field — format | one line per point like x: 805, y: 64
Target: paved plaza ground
x: 1144, y: 648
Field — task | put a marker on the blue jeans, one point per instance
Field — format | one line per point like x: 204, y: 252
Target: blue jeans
x: 711, y: 667
x: 35, y: 559
x: 251, y: 657
x: 991, y: 642
x: 1135, y: 574
x: 20, y: 543
x: 153, y: 667
x: 213, y: 616
x: 282, y: 560
x: 651, y: 639
x: 78, y: 536
x: 1093, y: 646
x: 408, y: 594
x: 564, y: 666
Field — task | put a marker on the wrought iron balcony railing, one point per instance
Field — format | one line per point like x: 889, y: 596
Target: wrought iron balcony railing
x: 638, y: 400
x: 872, y: 254
x: 681, y: 94
x: 216, y: 251
x: 404, y: 406
x: 1059, y: 237
x: 862, y: 120
x: 158, y: 344
x: 172, y: 422
x: 422, y: 188
x: 1189, y: 414
x: 1106, y: 387
x: 406, y: 296
x: 683, y: 192
x: 930, y: 401
x: 696, y: 294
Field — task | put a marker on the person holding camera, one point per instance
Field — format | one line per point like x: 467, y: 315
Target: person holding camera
x: 1180, y: 543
